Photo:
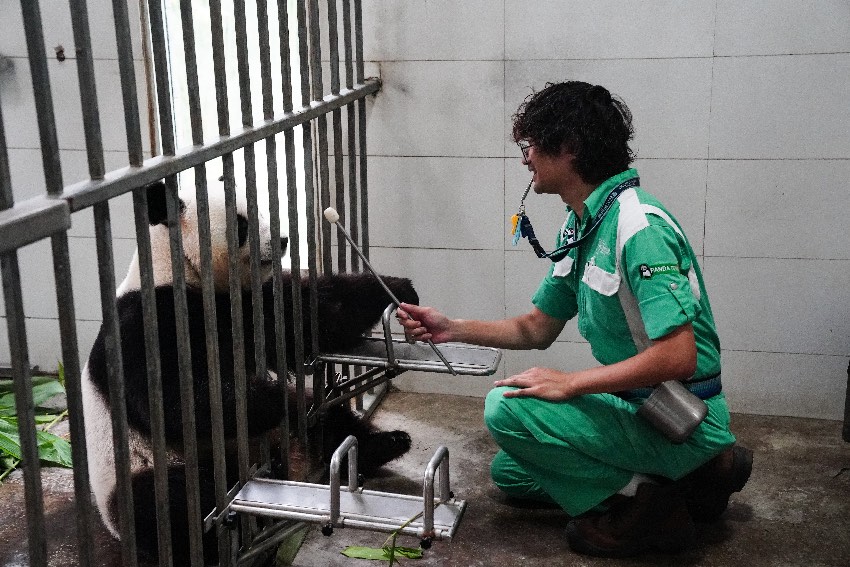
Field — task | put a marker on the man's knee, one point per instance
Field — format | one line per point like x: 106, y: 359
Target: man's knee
x: 497, y: 415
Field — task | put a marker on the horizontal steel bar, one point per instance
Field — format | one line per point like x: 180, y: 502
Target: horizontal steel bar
x: 32, y: 220
x: 86, y: 193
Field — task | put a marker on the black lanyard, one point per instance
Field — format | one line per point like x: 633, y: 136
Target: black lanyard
x: 526, y: 231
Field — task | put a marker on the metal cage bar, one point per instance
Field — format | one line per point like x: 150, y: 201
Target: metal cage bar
x: 42, y: 217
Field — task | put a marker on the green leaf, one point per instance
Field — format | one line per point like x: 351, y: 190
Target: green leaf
x: 381, y: 553
x: 358, y: 552
x: 10, y: 441
x: 44, y: 388
x: 54, y: 449
x: 43, y: 392
x: 409, y: 552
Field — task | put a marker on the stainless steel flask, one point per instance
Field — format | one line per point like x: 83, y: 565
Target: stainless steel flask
x: 674, y: 410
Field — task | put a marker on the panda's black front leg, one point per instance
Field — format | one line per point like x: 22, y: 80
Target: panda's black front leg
x: 375, y: 448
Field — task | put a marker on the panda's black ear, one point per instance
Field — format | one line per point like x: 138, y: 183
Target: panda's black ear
x: 157, y: 208
x: 157, y: 211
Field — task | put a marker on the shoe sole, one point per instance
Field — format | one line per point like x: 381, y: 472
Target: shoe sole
x: 580, y: 545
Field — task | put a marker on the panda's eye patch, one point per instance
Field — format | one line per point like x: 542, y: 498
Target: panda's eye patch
x: 242, y: 228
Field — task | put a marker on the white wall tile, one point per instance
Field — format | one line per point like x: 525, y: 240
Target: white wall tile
x: 558, y: 29
x: 777, y: 209
x: 466, y: 284
x: 20, y: 114
x: 773, y: 383
x: 669, y: 98
x: 38, y: 284
x: 680, y: 186
x: 28, y: 181
x: 442, y: 108
x: 436, y: 202
x: 785, y: 107
x: 567, y: 357
x: 57, y: 29
x: 779, y: 27
x: 791, y: 306
x: 44, y: 342
x: 435, y: 30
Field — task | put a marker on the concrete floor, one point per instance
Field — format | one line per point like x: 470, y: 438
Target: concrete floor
x: 795, y: 511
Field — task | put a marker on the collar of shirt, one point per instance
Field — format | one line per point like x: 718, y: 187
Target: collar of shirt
x: 595, y: 200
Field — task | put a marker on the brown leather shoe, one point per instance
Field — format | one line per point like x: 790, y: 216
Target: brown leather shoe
x: 655, y: 518
x: 708, y: 488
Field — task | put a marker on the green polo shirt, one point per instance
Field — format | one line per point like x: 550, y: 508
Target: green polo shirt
x: 634, y: 280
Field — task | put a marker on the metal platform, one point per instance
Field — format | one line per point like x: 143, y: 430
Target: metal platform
x: 400, y: 355
x: 337, y: 506
x: 465, y: 359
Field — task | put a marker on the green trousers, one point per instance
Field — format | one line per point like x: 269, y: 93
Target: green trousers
x: 581, y: 451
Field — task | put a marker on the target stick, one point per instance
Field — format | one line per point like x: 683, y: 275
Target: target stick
x: 333, y: 217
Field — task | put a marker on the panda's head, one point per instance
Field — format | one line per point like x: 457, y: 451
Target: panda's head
x: 161, y: 251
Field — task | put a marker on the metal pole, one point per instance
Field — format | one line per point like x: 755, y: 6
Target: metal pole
x: 333, y: 217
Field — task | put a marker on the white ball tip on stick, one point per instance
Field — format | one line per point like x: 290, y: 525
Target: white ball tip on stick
x: 331, y: 215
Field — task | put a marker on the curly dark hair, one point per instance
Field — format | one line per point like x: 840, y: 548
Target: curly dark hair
x: 582, y: 119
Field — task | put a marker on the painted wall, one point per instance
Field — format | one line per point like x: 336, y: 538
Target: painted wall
x: 742, y: 129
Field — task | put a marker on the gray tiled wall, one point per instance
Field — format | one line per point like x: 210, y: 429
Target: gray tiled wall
x: 742, y: 130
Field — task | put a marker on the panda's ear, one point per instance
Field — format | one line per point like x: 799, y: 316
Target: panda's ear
x: 157, y: 208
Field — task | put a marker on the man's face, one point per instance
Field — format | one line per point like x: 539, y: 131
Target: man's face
x: 550, y: 171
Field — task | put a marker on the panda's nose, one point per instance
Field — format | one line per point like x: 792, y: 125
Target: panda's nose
x: 284, y: 242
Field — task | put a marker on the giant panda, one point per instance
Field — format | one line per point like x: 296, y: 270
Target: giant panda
x: 349, y: 305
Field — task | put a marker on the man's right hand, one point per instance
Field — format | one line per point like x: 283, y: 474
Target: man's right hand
x: 424, y: 323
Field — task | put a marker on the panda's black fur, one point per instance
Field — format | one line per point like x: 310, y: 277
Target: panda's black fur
x: 349, y: 305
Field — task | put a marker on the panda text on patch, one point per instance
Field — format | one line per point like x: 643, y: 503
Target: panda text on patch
x: 349, y: 305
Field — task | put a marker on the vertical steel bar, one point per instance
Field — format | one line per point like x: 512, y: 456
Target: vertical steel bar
x: 184, y: 360
x: 322, y: 129
x: 33, y: 496
x: 88, y: 91
x: 207, y: 283
x: 73, y: 391
x: 184, y: 364
x: 324, y: 189
x: 259, y: 362
x: 154, y: 373
x: 294, y: 236
x: 253, y: 239
x: 64, y: 292
x: 353, y: 200
x: 43, y: 97
x: 115, y: 373
x: 309, y: 196
x: 234, y: 277
x: 353, y: 216
x: 274, y: 211
x: 339, y: 176
x: 127, y: 71
x: 16, y: 325
x: 361, y: 120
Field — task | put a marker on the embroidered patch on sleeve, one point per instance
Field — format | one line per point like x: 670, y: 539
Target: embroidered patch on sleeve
x: 647, y: 271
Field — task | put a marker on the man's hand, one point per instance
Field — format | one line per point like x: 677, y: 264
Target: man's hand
x: 543, y: 383
x: 424, y: 323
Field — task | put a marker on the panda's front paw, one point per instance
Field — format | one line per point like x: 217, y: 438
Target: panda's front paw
x: 381, y: 447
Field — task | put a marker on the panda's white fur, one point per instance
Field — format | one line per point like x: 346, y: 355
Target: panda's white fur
x: 161, y: 249
x: 349, y: 304
x: 96, y: 412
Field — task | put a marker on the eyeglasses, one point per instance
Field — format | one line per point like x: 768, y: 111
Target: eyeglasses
x: 524, y: 146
